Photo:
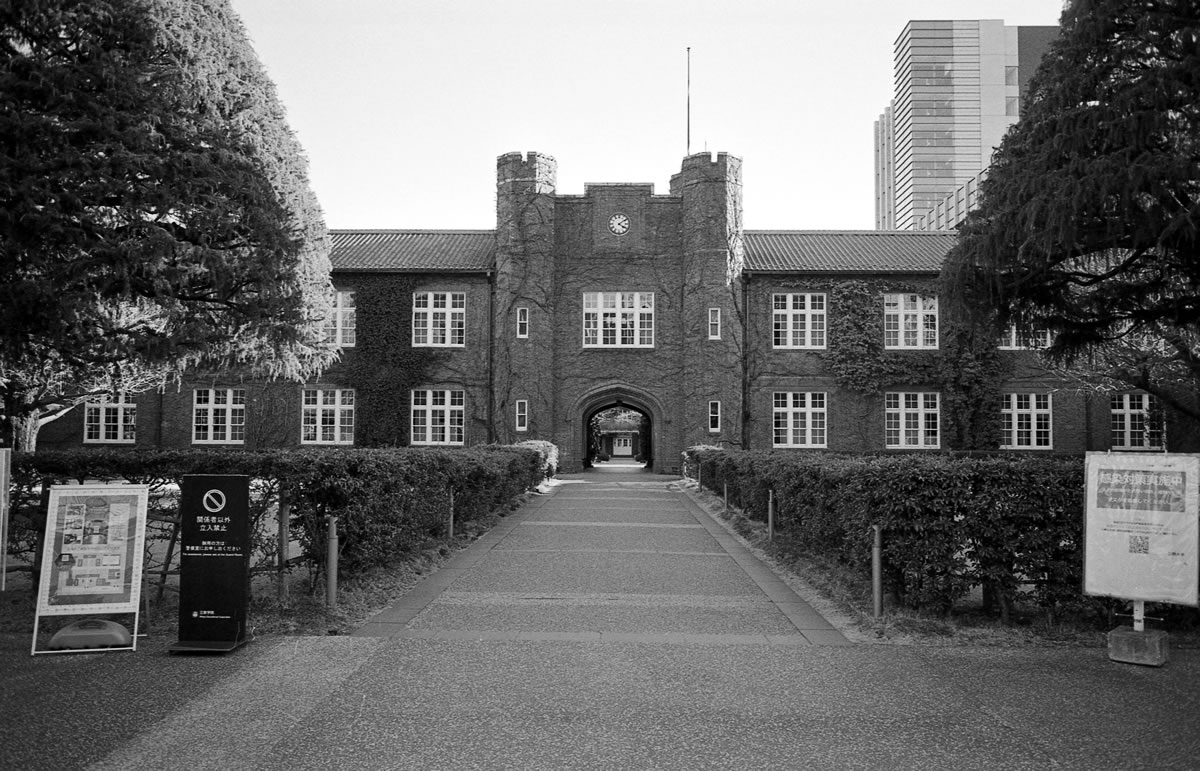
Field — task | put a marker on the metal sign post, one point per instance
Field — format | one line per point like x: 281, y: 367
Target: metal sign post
x: 214, y: 562
x: 5, y: 475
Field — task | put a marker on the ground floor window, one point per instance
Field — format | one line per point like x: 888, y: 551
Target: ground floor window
x: 109, y: 419
x: 799, y: 419
x: 1137, y: 422
x: 438, y: 416
x: 1025, y: 422
x: 219, y: 416
x: 911, y: 419
x: 327, y: 416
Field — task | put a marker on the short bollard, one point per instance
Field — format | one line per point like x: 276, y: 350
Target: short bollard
x: 877, y: 572
x: 331, y: 564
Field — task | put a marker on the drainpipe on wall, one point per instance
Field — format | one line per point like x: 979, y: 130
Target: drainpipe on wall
x: 491, y: 363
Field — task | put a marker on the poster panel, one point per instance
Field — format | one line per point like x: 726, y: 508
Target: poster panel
x: 1142, y: 528
x: 92, y: 558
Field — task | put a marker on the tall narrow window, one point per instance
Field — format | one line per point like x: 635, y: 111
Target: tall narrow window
x: 714, y: 417
x: 1025, y: 422
x: 327, y: 416
x: 522, y: 322
x: 438, y: 416
x: 910, y: 321
x: 340, y: 327
x: 219, y: 416
x: 799, y: 419
x: 911, y: 420
x: 522, y: 415
x: 439, y: 319
x: 1137, y: 422
x: 799, y: 320
x: 110, y: 419
x: 618, y: 319
x: 714, y: 323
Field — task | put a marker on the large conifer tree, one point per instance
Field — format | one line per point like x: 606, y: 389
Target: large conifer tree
x: 1089, y: 217
x: 155, y: 211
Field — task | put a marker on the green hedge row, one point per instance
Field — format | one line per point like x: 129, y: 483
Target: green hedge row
x: 1010, y: 524
x: 387, y: 501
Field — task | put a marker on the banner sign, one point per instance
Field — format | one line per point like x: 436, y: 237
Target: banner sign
x: 214, y: 561
x: 5, y: 476
x: 94, y: 545
x: 1142, y: 534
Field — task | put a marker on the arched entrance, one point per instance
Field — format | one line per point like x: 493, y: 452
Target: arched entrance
x: 617, y: 425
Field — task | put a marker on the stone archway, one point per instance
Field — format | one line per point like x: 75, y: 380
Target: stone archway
x: 622, y: 399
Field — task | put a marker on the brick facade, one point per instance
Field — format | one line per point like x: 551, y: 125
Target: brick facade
x: 708, y: 372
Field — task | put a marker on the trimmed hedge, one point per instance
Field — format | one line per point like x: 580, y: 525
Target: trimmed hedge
x: 387, y: 501
x: 1011, y: 524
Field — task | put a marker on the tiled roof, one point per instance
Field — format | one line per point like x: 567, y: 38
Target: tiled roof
x: 847, y: 251
x: 413, y: 250
x: 767, y: 251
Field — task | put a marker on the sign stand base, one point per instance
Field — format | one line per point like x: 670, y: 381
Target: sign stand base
x: 1132, y: 646
x: 205, y: 646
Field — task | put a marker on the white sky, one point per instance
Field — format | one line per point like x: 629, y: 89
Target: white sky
x: 402, y: 106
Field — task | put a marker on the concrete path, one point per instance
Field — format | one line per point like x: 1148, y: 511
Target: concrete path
x: 606, y: 626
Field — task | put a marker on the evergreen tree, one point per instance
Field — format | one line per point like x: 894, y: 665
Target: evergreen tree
x: 146, y: 164
x: 1088, y: 218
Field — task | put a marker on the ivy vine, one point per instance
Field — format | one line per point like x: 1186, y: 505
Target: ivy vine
x: 383, y: 367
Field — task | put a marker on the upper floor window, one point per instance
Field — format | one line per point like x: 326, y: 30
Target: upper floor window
x: 798, y: 419
x: 439, y: 319
x: 522, y: 322
x: 911, y: 420
x: 522, y: 415
x: 110, y: 418
x: 327, y: 416
x: 219, y: 416
x: 340, y: 326
x: 714, y: 323
x: 910, y: 321
x: 438, y: 416
x: 714, y: 417
x: 1015, y: 339
x: 1025, y: 422
x: 798, y: 320
x: 618, y: 319
x: 1137, y: 422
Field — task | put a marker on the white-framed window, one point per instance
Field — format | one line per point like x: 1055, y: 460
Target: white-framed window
x: 522, y: 322
x: 1026, y: 422
x: 439, y: 319
x: 798, y: 319
x: 438, y: 416
x: 714, y: 323
x: 522, y: 415
x: 327, y: 416
x: 109, y: 419
x: 219, y: 416
x: 1014, y: 339
x: 1137, y: 422
x: 618, y: 319
x: 714, y: 417
x: 342, y: 321
x: 910, y: 321
x: 799, y: 419
x: 911, y: 419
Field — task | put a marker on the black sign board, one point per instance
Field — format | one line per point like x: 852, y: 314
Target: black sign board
x: 214, y: 561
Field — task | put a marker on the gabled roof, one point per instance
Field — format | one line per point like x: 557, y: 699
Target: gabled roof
x: 767, y: 251
x: 413, y: 250
x: 846, y: 251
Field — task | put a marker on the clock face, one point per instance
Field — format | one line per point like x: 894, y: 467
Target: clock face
x: 619, y: 224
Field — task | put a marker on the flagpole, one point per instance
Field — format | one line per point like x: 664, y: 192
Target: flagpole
x: 689, y: 101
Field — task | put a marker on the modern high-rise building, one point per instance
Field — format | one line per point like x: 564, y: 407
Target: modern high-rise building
x: 958, y: 87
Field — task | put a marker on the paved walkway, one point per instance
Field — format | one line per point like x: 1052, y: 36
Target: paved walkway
x: 609, y: 625
x: 607, y: 557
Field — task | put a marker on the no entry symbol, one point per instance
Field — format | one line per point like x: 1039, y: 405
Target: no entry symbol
x: 214, y: 500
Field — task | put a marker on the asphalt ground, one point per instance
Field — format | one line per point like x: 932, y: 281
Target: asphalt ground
x: 614, y: 624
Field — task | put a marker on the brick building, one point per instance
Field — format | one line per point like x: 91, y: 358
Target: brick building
x: 658, y: 304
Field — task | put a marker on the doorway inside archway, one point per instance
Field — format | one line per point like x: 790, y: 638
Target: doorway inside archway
x: 618, y: 434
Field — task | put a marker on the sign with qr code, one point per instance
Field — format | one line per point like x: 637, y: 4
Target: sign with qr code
x: 1142, y: 528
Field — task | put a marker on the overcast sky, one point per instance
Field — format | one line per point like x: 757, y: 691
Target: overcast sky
x: 403, y: 105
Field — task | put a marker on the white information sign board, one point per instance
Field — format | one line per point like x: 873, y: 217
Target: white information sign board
x: 1142, y: 529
